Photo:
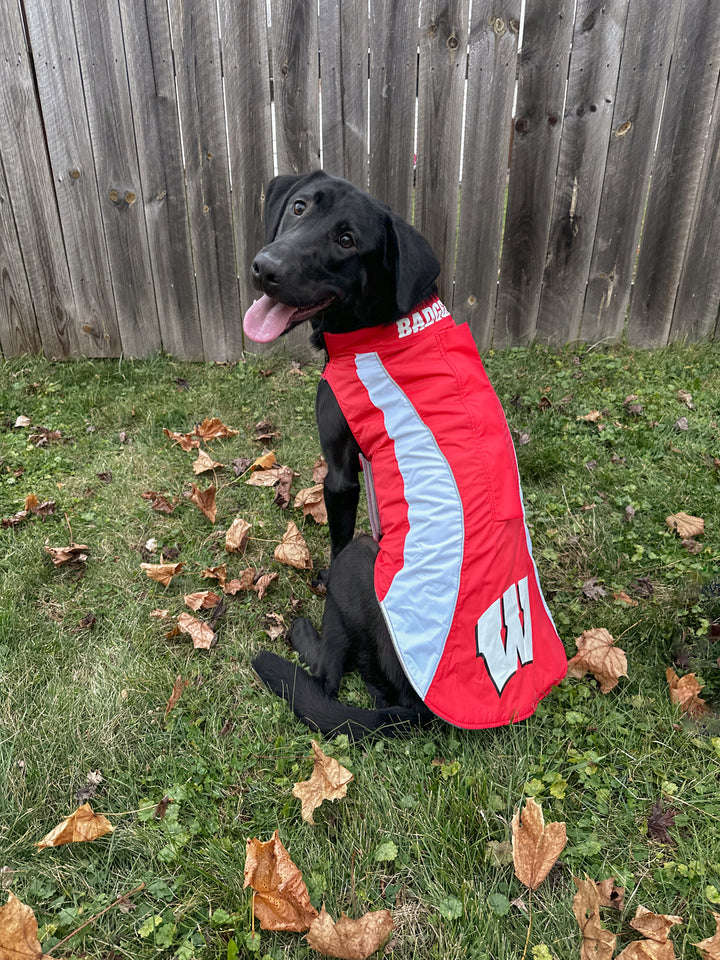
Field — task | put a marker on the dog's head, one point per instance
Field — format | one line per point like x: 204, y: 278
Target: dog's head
x: 335, y: 254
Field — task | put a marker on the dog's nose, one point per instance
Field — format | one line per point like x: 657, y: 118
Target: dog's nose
x: 266, y: 273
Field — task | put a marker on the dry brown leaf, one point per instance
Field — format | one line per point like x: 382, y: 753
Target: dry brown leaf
x: 312, y: 502
x: 186, y: 440
x: 686, y: 526
x: 162, y: 572
x: 711, y: 946
x: 535, y: 844
x: 202, y: 634
x: 320, y: 469
x: 598, y: 655
x: 292, y: 549
x: 350, y: 939
x: 81, y: 826
x: 18, y: 932
x: 214, y: 429
x: 205, y: 500
x: 685, y: 692
x: 158, y: 501
x: 262, y: 584
x: 627, y: 600
x: 610, y: 895
x: 159, y: 614
x: 282, y: 494
x: 23, y: 421
x: 264, y: 461
x: 598, y: 943
x: 205, y: 462
x: 236, y: 537
x: 177, y: 691
x: 202, y: 600
x: 276, y: 625
x: 647, y: 950
x: 218, y: 573
x: 246, y: 582
x: 654, y: 926
x: 75, y: 553
x: 591, y: 417
x: 328, y: 781
x: 264, y: 478
x: 281, y: 900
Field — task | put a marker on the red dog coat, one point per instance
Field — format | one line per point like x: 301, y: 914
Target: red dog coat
x: 455, y: 576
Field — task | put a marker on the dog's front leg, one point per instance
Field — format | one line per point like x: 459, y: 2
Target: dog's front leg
x: 342, y: 486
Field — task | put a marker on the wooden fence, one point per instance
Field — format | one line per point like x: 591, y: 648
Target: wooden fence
x: 136, y: 138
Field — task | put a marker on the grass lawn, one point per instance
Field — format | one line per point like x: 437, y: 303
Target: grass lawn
x: 86, y: 672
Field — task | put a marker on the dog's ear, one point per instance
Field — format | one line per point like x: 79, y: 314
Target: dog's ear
x: 409, y: 256
x: 277, y: 194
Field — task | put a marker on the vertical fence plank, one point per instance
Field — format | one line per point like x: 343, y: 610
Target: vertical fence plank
x: 18, y: 329
x: 538, y: 127
x: 592, y: 82
x: 698, y: 298
x: 490, y: 90
x: 344, y: 42
x: 393, y: 86
x: 691, y: 88
x: 646, y: 52
x: 296, y: 85
x: 57, y: 67
x: 107, y: 101
x: 441, y: 90
x: 148, y: 47
x: 196, y: 43
x: 247, y: 97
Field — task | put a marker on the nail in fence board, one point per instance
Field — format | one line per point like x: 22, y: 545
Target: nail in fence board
x: 541, y: 92
x: 156, y: 128
x: 676, y: 175
x: 647, y: 47
x: 586, y: 128
x: 490, y: 90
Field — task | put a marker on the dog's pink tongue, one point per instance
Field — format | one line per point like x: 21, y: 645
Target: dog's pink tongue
x: 267, y: 319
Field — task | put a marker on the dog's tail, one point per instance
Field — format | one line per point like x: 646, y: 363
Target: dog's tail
x: 320, y: 712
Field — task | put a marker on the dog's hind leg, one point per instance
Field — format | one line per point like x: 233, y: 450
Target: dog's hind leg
x: 305, y: 639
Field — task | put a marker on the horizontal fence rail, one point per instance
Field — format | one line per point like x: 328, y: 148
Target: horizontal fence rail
x: 561, y: 156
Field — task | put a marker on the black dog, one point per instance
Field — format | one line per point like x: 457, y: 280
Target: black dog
x: 343, y: 260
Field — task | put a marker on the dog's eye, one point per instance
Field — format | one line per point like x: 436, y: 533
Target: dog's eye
x: 299, y: 207
x: 346, y: 241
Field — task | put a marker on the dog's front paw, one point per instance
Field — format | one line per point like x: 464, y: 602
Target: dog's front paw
x: 319, y: 584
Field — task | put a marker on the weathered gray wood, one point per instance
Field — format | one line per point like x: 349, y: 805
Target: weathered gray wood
x: 29, y: 209
x: 247, y: 98
x: 59, y: 80
x: 646, y: 52
x: 587, y: 123
x: 343, y: 36
x: 148, y: 48
x: 698, y: 299
x: 441, y: 91
x: 107, y: 101
x: 541, y: 92
x: 690, y: 93
x: 18, y: 329
x: 196, y: 46
x: 394, y: 37
x: 296, y: 85
x: 490, y: 91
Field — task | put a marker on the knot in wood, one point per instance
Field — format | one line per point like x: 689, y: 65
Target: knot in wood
x: 75, y: 174
x: 433, y: 29
x: 498, y: 26
x: 452, y: 43
x: 284, y: 69
x: 521, y: 125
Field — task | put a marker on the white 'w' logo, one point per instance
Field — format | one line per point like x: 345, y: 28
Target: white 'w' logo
x: 501, y: 658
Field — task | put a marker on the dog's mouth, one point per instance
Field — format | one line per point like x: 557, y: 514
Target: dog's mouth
x: 268, y: 319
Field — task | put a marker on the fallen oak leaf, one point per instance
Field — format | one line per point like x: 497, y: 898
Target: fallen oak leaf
x: 162, y: 572
x: 654, y: 926
x: 535, y: 844
x: 177, y: 692
x: 312, y: 502
x: 350, y: 939
x: 204, y: 500
x: 18, y: 932
x: 685, y: 692
x: 237, y: 535
x: 598, y: 943
x: 686, y: 526
x: 281, y: 900
x: 82, y: 826
x: 597, y: 654
x: 711, y: 946
x: 292, y: 549
x: 205, y: 462
x: 328, y: 781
